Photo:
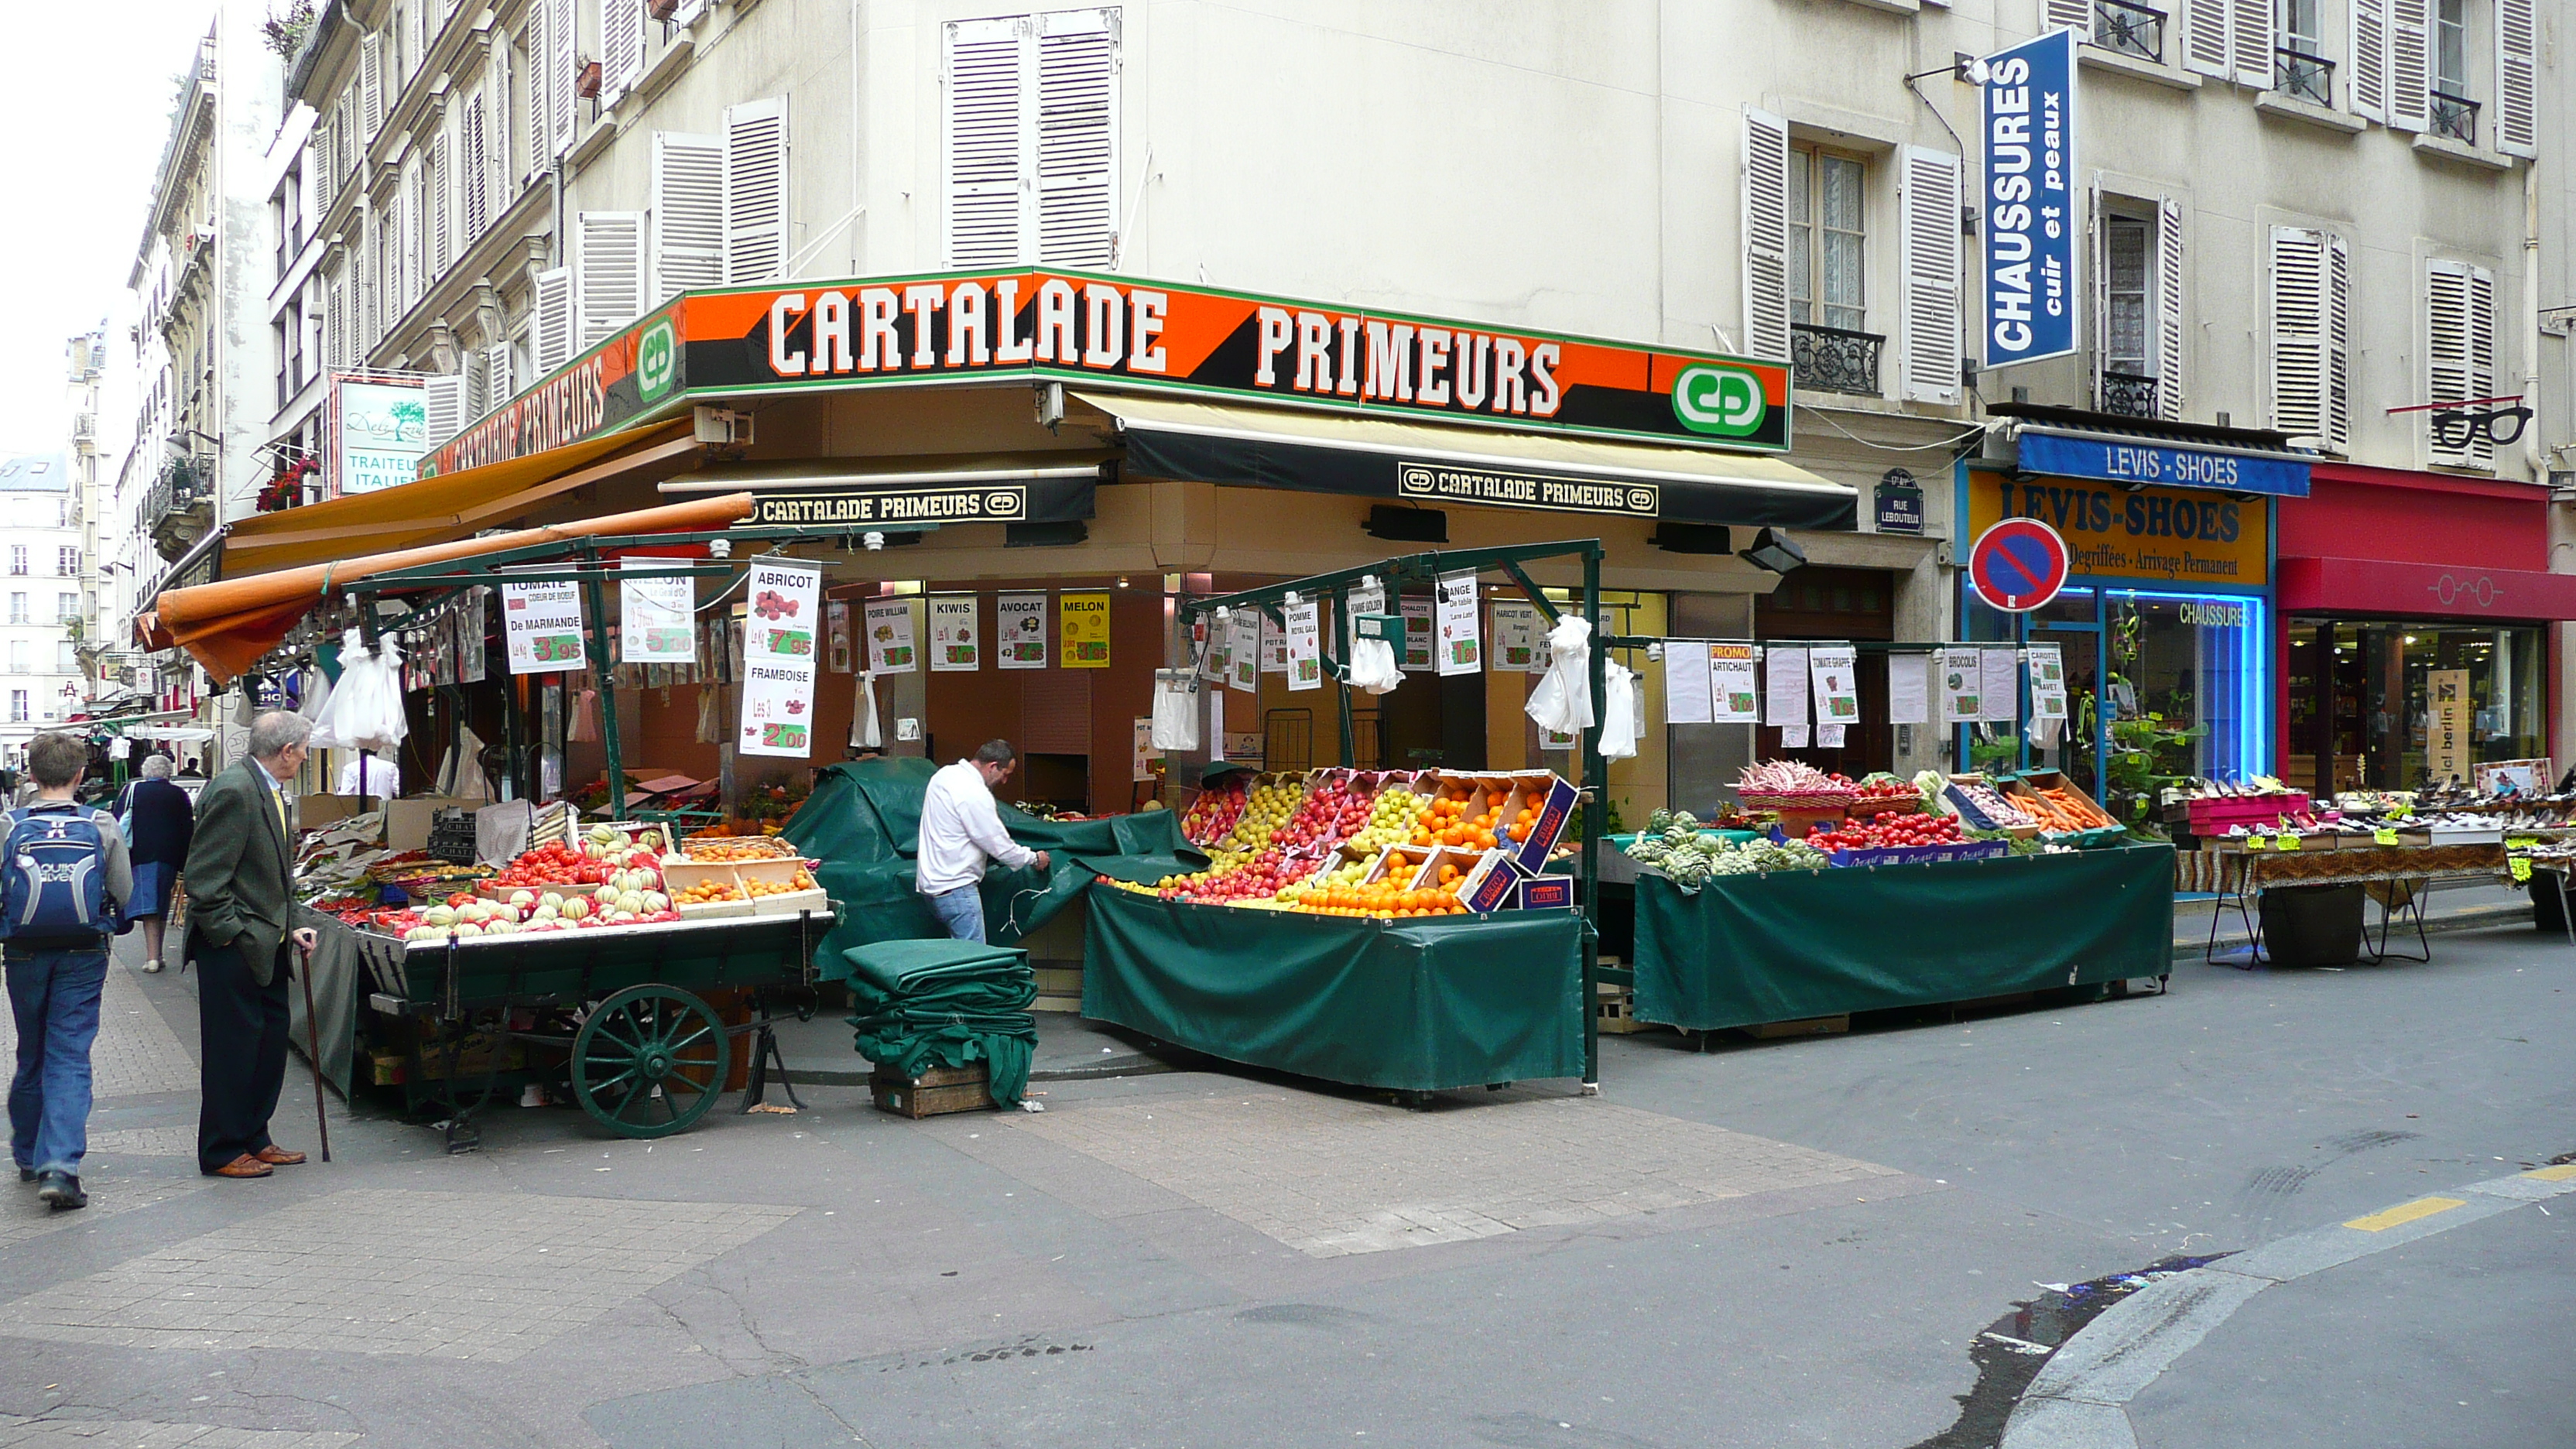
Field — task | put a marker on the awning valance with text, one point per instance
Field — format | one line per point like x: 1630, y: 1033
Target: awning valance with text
x: 1433, y: 466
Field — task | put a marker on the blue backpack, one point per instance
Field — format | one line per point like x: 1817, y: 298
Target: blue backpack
x: 53, y: 880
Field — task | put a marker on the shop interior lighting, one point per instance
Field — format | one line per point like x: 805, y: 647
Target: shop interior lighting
x: 1771, y: 549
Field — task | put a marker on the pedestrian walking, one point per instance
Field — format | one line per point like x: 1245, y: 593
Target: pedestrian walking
x: 241, y: 865
x: 63, y: 881
x: 962, y: 835
x: 158, y: 821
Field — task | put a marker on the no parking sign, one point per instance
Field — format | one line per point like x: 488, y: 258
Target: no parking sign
x: 2018, y: 565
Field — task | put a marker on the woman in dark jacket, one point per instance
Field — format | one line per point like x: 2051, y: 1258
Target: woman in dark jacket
x: 159, y: 821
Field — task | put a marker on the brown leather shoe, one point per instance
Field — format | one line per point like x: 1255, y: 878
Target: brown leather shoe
x: 244, y: 1166
x: 278, y: 1156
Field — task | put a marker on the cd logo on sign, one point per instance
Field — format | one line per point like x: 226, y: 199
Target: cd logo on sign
x: 1712, y: 398
x: 1641, y: 500
x: 656, y: 360
x: 1002, y: 503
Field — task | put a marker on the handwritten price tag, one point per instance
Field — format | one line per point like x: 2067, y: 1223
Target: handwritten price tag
x: 2383, y: 836
x: 2286, y: 842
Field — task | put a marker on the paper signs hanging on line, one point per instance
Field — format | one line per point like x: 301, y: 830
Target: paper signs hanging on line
x: 1835, y: 671
x: 1960, y: 685
x: 1686, y: 683
x: 1516, y: 636
x: 1274, y: 644
x: 2002, y: 693
x: 1784, y: 687
x: 1417, y: 634
x: 1909, y: 688
x: 956, y: 634
x: 1207, y: 639
x: 1362, y: 599
x: 2047, y: 682
x: 657, y: 614
x: 1243, y: 651
x: 889, y: 633
x: 1461, y: 650
x: 542, y: 624
x: 1305, y: 640
x: 1084, y: 621
x: 1020, y: 631
x: 779, y: 658
x: 1731, y: 695
x: 838, y: 613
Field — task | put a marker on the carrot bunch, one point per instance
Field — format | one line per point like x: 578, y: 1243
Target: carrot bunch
x: 2060, y: 809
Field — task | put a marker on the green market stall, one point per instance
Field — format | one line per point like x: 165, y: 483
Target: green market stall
x: 1793, y: 945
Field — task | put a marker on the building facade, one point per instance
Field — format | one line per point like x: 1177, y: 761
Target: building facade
x: 2310, y: 230
x: 41, y: 568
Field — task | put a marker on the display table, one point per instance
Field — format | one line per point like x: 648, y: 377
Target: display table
x: 1408, y: 1005
x: 1793, y: 945
x: 2396, y: 876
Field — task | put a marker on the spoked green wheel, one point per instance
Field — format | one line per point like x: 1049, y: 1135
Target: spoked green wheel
x: 650, y: 1061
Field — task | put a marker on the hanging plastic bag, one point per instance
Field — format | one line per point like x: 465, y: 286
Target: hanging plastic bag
x: 317, y: 701
x: 366, y: 711
x: 1373, y: 666
x: 1176, y: 710
x: 1563, y: 700
x: 865, y: 734
x: 1619, y: 721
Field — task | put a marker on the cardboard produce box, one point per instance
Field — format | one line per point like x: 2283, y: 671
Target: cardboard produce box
x: 407, y: 821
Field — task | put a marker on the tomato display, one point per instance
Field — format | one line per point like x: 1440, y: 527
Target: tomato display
x: 1887, y: 832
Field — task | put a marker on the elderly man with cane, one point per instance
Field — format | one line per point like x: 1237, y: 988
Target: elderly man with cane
x: 241, y: 865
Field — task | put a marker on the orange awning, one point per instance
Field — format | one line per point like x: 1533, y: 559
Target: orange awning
x: 229, y: 624
x: 451, y: 506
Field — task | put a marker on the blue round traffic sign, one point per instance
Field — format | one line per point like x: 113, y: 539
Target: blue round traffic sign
x: 2018, y: 565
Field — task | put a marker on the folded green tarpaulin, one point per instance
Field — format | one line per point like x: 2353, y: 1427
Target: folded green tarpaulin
x: 1411, y: 1005
x: 863, y: 824
x: 1791, y: 945
x: 926, y: 1004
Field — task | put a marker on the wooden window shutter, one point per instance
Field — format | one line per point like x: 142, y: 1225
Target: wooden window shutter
x: 474, y: 172
x: 608, y: 261
x: 2338, y: 409
x: 496, y: 377
x: 1077, y: 138
x: 2169, y: 309
x: 2517, y: 92
x: 1928, y: 242
x: 335, y: 324
x: 1766, y: 235
x: 983, y: 141
x: 550, y: 336
x: 497, y: 130
x: 2298, y: 330
x: 540, y: 85
x: 621, y: 47
x: 752, y: 227
x: 2205, y: 45
x: 2069, y: 14
x: 371, y: 83
x: 2410, y: 65
x: 562, y: 60
x: 688, y: 241
x: 440, y: 235
x: 443, y: 401
x: 2250, y: 27
x: 2459, y: 350
x: 2367, y: 33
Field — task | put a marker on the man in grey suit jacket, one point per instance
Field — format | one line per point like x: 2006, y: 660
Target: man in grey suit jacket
x: 241, y: 867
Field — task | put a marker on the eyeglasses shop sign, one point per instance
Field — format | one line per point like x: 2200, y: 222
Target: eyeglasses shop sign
x: 2029, y: 201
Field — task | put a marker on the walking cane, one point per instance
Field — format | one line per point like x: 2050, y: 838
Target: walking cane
x: 313, y: 1035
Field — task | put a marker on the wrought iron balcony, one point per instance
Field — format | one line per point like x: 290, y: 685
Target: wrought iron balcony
x: 1832, y: 359
x: 2304, y: 77
x: 2455, y: 117
x: 2130, y: 29
x: 181, y: 506
x: 2127, y: 395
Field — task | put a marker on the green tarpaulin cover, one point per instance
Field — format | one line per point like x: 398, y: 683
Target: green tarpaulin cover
x: 1798, y: 944
x: 926, y: 1004
x: 1414, y: 1006
x: 863, y: 824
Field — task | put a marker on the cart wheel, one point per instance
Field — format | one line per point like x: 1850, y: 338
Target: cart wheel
x: 650, y: 1061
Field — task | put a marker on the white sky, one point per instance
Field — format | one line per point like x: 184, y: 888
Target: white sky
x: 85, y: 102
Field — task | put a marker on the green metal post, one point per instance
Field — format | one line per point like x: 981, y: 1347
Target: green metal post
x: 595, y: 600
x: 1342, y: 678
x: 1596, y: 782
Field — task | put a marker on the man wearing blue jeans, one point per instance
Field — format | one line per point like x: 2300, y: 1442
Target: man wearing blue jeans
x: 54, y: 990
x: 961, y: 834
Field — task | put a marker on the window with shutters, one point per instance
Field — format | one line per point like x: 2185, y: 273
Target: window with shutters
x: 755, y: 191
x: 621, y: 48
x: 1029, y: 139
x: 438, y: 232
x: 2452, y: 109
x: 551, y: 329
x: 2312, y: 336
x: 2459, y: 352
x: 2230, y: 39
x: 2300, y: 69
x: 608, y: 266
x: 688, y: 216
x: 2517, y: 78
x: 2129, y: 27
x: 1766, y: 234
x: 2137, y: 272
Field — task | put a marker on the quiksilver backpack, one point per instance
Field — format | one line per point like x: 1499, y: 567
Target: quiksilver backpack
x: 53, y: 882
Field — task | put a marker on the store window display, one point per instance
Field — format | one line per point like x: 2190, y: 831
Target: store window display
x: 2363, y: 699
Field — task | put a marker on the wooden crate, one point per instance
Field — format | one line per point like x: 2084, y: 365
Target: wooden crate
x: 1615, y: 1011
x: 1811, y: 1026
x: 934, y: 1093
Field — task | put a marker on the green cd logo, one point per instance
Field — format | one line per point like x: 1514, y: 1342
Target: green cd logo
x: 657, y: 356
x: 1711, y: 398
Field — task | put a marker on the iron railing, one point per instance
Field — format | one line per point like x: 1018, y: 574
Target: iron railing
x: 2127, y: 395
x: 181, y: 488
x: 2302, y: 76
x: 2130, y: 29
x: 1835, y: 359
x: 2455, y: 117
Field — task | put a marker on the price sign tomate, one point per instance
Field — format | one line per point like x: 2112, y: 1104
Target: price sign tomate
x: 2018, y: 565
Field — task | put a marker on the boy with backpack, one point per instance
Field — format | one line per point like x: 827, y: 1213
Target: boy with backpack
x: 64, y: 879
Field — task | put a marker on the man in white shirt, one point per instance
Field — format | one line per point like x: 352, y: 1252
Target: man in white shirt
x: 365, y: 774
x: 961, y: 834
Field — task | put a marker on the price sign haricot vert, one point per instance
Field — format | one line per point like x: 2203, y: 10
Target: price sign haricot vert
x: 779, y: 657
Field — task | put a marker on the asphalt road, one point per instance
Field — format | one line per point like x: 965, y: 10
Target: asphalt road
x: 1806, y: 1242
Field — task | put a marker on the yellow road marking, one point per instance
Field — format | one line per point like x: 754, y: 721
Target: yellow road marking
x: 2422, y: 1207
x: 2553, y: 1174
